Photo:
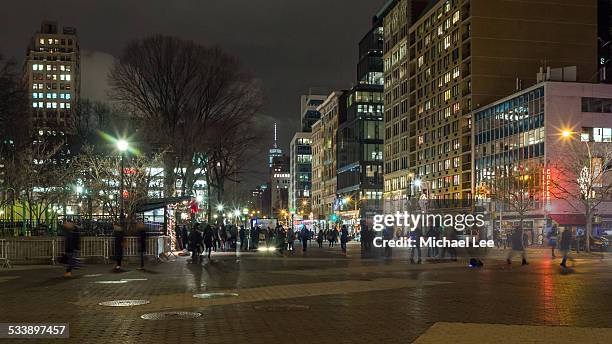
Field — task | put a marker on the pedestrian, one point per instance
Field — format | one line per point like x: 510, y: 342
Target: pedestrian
x: 430, y: 249
x: 195, y: 243
x: 552, y: 240
x: 208, y: 239
x: 179, y: 237
x: 119, y: 244
x: 72, y: 243
x: 415, y: 238
x: 142, y: 242
x: 217, y: 238
x: 320, y: 238
x: 184, y: 237
x: 517, y: 246
x: 242, y: 235
x: 291, y: 239
x: 565, y: 245
x: 496, y: 238
x: 387, y: 234
x: 344, y: 238
x: 304, y: 238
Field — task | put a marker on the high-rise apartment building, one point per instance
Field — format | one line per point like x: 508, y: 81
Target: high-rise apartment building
x: 604, y: 40
x: 301, y: 173
x: 52, y: 70
x: 455, y: 56
x: 360, y: 136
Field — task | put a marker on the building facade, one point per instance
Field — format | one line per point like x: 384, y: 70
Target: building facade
x: 317, y: 170
x: 520, y: 145
x: 52, y: 70
x: 455, y: 56
x: 330, y: 110
x: 279, y: 185
x: 360, y: 136
x: 308, y: 110
x: 300, y: 186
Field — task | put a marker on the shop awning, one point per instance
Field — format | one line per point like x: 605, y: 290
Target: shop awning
x: 159, y: 203
x: 569, y: 219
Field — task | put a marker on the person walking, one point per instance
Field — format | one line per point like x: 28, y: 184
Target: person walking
x: 195, y: 242
x: 242, y: 235
x: 142, y: 243
x: 320, y: 238
x: 291, y: 239
x: 552, y: 240
x: 119, y: 235
x: 517, y: 246
x: 72, y: 243
x: 304, y: 238
x: 209, y: 240
x: 565, y: 245
x: 344, y: 238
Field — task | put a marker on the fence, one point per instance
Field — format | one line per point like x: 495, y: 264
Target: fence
x: 36, y: 249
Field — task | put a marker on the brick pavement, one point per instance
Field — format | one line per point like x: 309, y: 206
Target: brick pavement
x: 322, y: 297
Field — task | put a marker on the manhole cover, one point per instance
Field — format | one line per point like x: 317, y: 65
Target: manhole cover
x: 133, y: 279
x: 92, y: 275
x: 171, y: 315
x: 111, y: 282
x: 214, y: 295
x: 281, y: 308
x: 124, y: 303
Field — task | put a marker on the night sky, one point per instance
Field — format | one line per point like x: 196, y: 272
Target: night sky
x: 289, y: 45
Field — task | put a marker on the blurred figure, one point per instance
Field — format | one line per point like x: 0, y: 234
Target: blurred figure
x: 387, y: 234
x: 290, y: 239
x: 242, y: 235
x: 344, y: 238
x: 304, y: 234
x: 552, y: 240
x: 517, y: 246
x: 565, y: 245
x: 142, y: 242
x: 416, y: 235
x: 119, y: 236
x: 320, y: 238
x: 209, y: 240
x: 195, y: 243
x: 72, y: 242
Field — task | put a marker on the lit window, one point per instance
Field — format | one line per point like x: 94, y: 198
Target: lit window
x: 48, y: 67
x: 67, y: 77
x: 48, y: 105
x: 34, y: 104
x: 41, y: 41
x: 67, y: 105
x: 455, y: 17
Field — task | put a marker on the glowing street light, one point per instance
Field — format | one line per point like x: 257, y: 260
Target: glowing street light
x: 122, y: 145
x: 219, y: 207
x: 236, y: 212
x: 418, y: 183
x: 566, y: 134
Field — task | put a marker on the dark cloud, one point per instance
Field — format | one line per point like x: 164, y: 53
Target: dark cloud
x: 289, y: 45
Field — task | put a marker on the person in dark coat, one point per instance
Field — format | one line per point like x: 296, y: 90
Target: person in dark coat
x: 304, y: 236
x: 344, y: 238
x: 320, y: 238
x: 119, y: 236
x: 565, y: 245
x: 242, y: 235
x: 184, y: 236
x: 209, y: 240
x: 142, y: 243
x: 195, y: 243
x: 72, y: 242
x: 517, y: 246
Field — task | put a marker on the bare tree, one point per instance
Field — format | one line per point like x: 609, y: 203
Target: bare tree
x: 514, y: 188
x: 100, y: 176
x: 179, y: 89
x: 583, y: 178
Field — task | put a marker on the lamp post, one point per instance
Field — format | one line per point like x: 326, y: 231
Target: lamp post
x: 122, y: 146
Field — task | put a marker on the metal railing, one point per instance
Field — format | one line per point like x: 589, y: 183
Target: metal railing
x: 31, y: 249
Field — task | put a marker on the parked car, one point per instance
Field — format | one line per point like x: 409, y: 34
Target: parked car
x: 599, y: 243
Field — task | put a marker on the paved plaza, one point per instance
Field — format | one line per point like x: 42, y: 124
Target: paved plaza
x: 320, y: 297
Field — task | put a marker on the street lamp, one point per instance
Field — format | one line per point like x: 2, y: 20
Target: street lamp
x: 122, y: 146
x: 220, y: 207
